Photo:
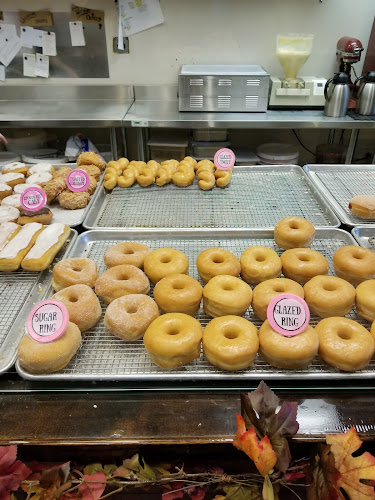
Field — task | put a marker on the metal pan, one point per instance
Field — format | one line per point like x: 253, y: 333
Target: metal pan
x: 365, y: 236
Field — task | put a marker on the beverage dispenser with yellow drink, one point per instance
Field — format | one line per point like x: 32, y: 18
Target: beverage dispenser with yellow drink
x: 292, y: 91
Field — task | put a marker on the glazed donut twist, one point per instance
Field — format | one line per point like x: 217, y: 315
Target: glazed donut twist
x: 173, y: 163
x: 110, y: 180
x: 223, y: 178
x: 206, y: 168
x: 206, y: 180
x: 145, y: 177
x: 184, y: 176
x: 192, y: 162
x: 153, y: 165
x: 127, y: 178
x: 163, y: 176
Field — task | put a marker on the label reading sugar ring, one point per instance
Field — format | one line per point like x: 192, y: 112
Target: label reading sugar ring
x: 78, y: 180
x: 224, y: 159
x: 33, y: 199
x: 288, y: 314
x: 47, y: 321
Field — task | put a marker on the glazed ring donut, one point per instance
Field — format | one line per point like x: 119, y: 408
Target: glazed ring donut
x: 230, y: 343
x: 184, y: 176
x: 127, y: 178
x: 128, y: 252
x: 226, y: 295
x: 302, y: 264
x: 223, y: 178
x: 329, y: 296
x: 365, y: 300
x: 267, y: 290
x: 354, y: 264
x: 259, y: 264
x: 206, y: 181
x: 294, y: 232
x: 82, y: 305
x: 178, y: 293
x: 129, y: 316
x: 344, y: 343
x: 121, y: 280
x: 291, y: 353
x: 145, y: 177
x: 75, y: 271
x: 214, y: 261
x: 173, y: 339
x: 164, y: 261
x: 363, y: 206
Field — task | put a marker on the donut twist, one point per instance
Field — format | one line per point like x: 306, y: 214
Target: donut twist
x: 110, y: 180
x: 145, y: 177
x: 127, y: 178
x: 184, y: 176
x: 163, y: 176
x: 223, y: 178
x: 206, y: 181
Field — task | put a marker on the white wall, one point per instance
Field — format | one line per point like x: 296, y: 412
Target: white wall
x: 220, y: 31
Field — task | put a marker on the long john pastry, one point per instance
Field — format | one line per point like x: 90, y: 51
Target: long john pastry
x: 12, y: 255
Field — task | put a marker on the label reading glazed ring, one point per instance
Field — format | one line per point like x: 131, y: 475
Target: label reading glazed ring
x: 33, y: 199
x: 288, y: 314
x: 47, y: 321
x: 224, y: 159
x: 78, y: 180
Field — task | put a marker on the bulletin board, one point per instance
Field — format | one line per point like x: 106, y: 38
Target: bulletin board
x: 90, y: 61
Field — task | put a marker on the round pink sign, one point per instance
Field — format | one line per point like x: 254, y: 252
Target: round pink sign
x: 288, y: 314
x: 224, y: 159
x: 33, y: 199
x: 47, y: 321
x: 78, y: 180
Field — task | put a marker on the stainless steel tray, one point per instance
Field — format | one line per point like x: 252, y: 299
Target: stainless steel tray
x: 338, y: 184
x: 19, y: 291
x: 258, y: 197
x: 104, y: 357
x: 365, y: 236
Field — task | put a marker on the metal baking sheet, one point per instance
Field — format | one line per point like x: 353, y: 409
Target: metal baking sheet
x: 19, y: 291
x: 338, y: 184
x: 258, y: 197
x: 104, y: 357
x: 365, y: 236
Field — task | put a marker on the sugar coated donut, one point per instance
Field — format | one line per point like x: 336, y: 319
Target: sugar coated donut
x: 82, y: 305
x: 226, y: 295
x: 259, y: 264
x: 267, y: 290
x: 49, y: 357
x: 74, y: 271
x: 344, y: 343
x: 354, y: 264
x: 291, y: 353
x: 214, y: 261
x: 128, y: 252
x: 302, y: 264
x: 329, y: 296
x: 178, y: 293
x: 363, y: 206
x: 365, y: 300
x: 164, y: 261
x: 230, y: 343
x: 128, y: 317
x: 121, y: 280
x: 173, y: 339
x: 294, y: 232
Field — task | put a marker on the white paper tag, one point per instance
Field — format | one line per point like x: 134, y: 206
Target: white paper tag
x: 138, y: 15
x: 31, y: 37
x: 42, y: 66
x: 49, y: 43
x: 76, y: 34
x: 2, y: 73
x: 7, y: 29
x: 29, y: 65
x: 10, y: 44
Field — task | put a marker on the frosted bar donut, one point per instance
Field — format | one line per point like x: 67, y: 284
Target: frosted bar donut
x: 121, y: 280
x: 302, y: 264
x: 214, y: 261
x: 74, y: 271
x: 354, y: 264
x: 13, y: 253
x: 128, y: 252
x: 267, y: 290
x: 226, y: 295
x: 164, y: 261
x: 329, y: 296
x: 294, y: 232
x: 9, y: 214
x: 259, y: 264
x: 8, y: 230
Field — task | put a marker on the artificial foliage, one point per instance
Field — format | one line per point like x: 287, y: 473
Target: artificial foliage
x: 263, y: 434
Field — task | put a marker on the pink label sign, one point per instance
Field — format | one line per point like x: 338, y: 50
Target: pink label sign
x: 288, y: 314
x: 47, y: 321
x: 33, y: 199
x: 78, y: 180
x: 224, y: 159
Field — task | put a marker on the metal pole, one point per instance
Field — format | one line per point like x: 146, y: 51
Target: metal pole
x: 113, y: 141
x: 351, y: 146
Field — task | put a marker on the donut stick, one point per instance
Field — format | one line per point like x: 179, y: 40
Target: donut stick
x: 48, y: 243
x: 13, y: 253
x: 8, y: 230
x: 363, y: 206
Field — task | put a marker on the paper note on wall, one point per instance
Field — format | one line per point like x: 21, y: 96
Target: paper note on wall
x: 10, y: 43
x: 39, y: 18
x: 41, y: 65
x: 29, y: 65
x: 76, y: 34
x: 49, y: 43
x: 31, y: 37
x: 139, y: 15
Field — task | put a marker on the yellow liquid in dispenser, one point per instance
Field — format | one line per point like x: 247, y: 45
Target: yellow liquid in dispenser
x: 292, y: 62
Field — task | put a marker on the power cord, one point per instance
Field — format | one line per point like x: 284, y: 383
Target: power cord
x: 299, y: 140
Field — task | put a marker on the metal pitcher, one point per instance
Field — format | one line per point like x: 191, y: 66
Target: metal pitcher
x: 366, y: 94
x: 337, y: 92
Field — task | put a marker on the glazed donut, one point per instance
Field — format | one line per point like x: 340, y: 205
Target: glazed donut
x: 163, y: 176
x: 291, y: 353
x: 223, y: 178
x: 365, y: 300
x: 121, y: 280
x: 82, y: 305
x: 74, y: 271
x: 226, y: 295
x: 329, y: 296
x: 178, y: 293
x: 127, y: 179
x: 137, y: 164
x: 259, y: 264
x: 214, y: 261
x: 129, y: 316
x: 173, y: 339
x: 184, y: 176
x: 354, y: 264
x: 363, y: 206
x: 12, y: 179
x: 49, y: 357
x: 344, y: 343
x: 230, y: 343
x: 302, y: 264
x: 164, y: 261
x: 110, y: 180
x: 5, y: 190
x: 294, y: 232
x: 267, y: 290
x: 90, y: 158
x: 191, y: 161
x: 206, y: 181
x: 128, y: 252
x: 145, y: 177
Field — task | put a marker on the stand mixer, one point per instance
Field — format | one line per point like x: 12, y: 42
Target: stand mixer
x: 292, y: 91
x: 348, y: 52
